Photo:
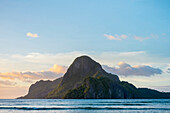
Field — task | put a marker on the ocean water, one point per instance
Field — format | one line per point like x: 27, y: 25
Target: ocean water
x: 84, y: 105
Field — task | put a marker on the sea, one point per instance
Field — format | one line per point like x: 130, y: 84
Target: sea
x: 84, y: 105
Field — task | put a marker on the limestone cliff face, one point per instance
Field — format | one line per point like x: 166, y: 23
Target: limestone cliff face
x: 103, y: 88
x: 81, y: 68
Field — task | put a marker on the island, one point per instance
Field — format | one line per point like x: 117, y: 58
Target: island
x: 86, y: 79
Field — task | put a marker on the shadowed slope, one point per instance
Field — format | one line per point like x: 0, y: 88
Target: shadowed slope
x: 40, y: 89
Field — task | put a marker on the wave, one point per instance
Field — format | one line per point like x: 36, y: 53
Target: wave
x: 99, y: 104
x: 138, y: 102
x: 79, y: 108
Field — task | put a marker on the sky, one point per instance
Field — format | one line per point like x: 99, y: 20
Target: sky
x: 41, y: 38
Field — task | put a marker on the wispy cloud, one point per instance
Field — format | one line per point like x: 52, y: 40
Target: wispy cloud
x: 139, y: 38
x: 7, y: 83
x: 135, y: 37
x: 137, y: 70
x: 32, y: 35
x: 116, y: 37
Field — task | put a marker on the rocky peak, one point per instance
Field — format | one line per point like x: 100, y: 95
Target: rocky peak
x: 83, y: 65
x: 81, y: 68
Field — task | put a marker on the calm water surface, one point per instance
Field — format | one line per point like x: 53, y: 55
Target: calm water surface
x: 84, y: 105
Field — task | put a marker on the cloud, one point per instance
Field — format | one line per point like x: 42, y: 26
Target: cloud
x: 123, y: 36
x: 42, y: 61
x: 58, y: 69
x: 139, y: 38
x: 53, y: 73
x: 116, y: 37
x: 22, y: 65
x: 32, y: 35
x: 137, y: 70
x: 162, y: 88
x: 7, y: 83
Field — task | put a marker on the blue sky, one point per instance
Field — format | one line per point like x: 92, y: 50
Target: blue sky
x: 65, y: 26
x: 99, y: 28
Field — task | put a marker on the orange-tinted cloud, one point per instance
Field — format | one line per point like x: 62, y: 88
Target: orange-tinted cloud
x: 15, y: 84
x: 32, y: 35
x: 58, y: 69
x: 53, y: 73
x: 116, y: 37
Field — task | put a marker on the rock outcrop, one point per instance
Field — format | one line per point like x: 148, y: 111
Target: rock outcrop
x: 81, y: 68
